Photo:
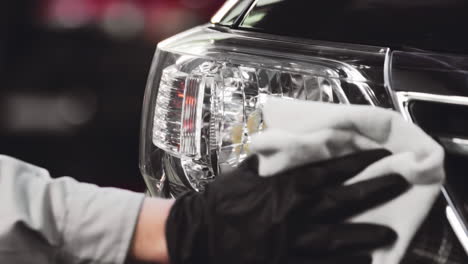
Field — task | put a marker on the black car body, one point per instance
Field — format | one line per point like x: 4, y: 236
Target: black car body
x: 420, y: 69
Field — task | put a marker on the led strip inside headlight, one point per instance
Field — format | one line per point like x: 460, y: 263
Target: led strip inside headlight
x: 206, y: 90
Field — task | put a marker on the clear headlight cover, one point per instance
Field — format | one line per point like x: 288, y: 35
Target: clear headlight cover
x: 206, y: 89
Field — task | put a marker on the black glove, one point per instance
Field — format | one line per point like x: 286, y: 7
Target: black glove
x: 293, y: 217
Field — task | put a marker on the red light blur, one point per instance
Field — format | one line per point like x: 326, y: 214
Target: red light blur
x: 162, y: 18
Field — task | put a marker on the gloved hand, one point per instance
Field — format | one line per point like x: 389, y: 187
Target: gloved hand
x: 293, y: 217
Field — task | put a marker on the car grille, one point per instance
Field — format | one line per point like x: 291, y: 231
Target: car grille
x: 445, y: 119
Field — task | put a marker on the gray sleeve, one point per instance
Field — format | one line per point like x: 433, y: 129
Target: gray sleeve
x: 44, y: 220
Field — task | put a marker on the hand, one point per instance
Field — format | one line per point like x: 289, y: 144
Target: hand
x: 293, y: 217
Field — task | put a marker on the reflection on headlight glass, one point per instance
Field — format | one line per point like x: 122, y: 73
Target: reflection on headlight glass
x: 210, y: 94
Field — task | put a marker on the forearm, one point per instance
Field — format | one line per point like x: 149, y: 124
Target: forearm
x: 43, y: 218
x: 149, y: 241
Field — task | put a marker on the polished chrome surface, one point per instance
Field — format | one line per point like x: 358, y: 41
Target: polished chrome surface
x: 232, y: 12
x: 455, y: 145
x: 403, y: 99
x: 458, y: 228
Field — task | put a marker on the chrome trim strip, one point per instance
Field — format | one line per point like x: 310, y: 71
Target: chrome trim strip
x: 458, y: 228
x: 388, y: 78
x: 218, y: 16
x: 455, y: 220
x: 448, y: 99
x: 403, y: 100
x: 460, y: 141
x: 244, y: 16
x: 455, y: 145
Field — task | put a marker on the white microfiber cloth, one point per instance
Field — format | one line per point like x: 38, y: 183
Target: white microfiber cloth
x: 300, y: 132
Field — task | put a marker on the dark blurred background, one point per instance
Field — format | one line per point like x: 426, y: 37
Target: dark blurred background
x: 72, y: 78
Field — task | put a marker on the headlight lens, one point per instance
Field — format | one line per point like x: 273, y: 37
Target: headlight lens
x: 206, y: 90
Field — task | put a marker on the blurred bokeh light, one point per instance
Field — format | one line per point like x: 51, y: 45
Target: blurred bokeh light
x: 72, y: 77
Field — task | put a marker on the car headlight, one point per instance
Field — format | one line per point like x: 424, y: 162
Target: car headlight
x: 206, y: 89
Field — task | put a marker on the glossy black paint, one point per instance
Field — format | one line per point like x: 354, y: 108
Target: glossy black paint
x: 435, y: 25
x: 429, y: 73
